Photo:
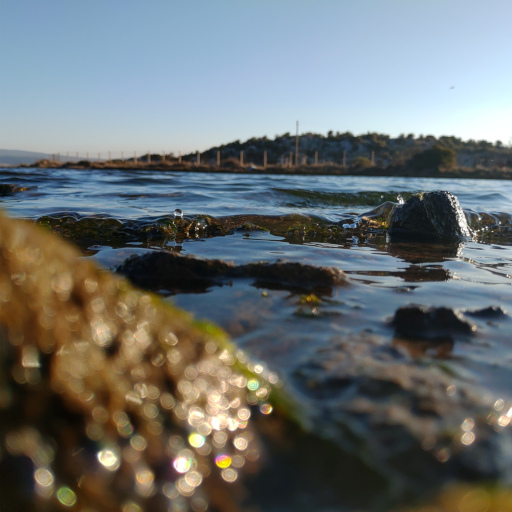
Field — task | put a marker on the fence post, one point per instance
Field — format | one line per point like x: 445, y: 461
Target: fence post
x: 218, y: 157
x: 241, y: 158
x: 297, y: 146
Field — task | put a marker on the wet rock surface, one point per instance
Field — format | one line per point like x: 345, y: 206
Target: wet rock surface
x: 429, y: 216
x: 175, y: 273
x: 435, y: 323
x: 490, y: 312
x: 414, y: 422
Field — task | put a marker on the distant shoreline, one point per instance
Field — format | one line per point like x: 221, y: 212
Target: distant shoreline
x: 304, y: 170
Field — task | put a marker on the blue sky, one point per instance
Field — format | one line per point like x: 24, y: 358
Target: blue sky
x: 166, y: 75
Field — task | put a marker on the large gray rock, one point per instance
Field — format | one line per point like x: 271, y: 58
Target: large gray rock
x: 431, y: 216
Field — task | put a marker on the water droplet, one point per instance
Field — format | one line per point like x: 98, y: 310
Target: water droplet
x: 266, y: 409
x: 229, y: 475
x: 178, y: 213
x: 223, y: 461
x: 44, y: 477
x: 66, y: 496
x: 196, y: 440
x: 182, y: 464
x: 109, y: 460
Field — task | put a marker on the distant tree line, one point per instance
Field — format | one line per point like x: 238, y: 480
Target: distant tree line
x: 370, y: 149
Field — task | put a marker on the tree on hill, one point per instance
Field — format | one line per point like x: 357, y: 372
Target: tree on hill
x: 434, y: 158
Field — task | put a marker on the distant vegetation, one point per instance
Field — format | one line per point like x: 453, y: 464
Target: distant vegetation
x: 379, y: 150
x: 335, y: 153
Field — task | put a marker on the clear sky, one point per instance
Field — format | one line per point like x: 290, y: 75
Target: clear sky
x: 169, y: 75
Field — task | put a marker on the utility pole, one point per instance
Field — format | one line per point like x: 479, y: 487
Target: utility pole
x: 218, y: 157
x: 198, y: 158
x: 297, y: 146
x: 241, y: 158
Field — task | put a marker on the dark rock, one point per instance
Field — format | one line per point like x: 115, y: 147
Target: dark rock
x: 430, y: 216
x: 166, y: 270
x: 7, y: 189
x: 419, y: 322
x: 491, y: 312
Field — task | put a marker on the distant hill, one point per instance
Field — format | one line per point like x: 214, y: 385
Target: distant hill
x: 367, y: 149
x: 14, y: 157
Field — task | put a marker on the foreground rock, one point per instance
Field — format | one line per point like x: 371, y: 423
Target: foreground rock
x: 110, y: 400
x: 430, y: 216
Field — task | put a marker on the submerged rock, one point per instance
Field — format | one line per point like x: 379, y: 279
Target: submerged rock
x: 429, y: 216
x: 8, y: 189
x: 490, y: 312
x: 109, y: 399
x: 167, y: 270
x: 436, y: 323
x: 421, y: 426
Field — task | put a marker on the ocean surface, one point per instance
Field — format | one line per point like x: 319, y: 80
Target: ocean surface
x: 314, y: 220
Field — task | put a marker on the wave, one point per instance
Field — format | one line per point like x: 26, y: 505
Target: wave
x: 487, y: 227
x: 307, y: 198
